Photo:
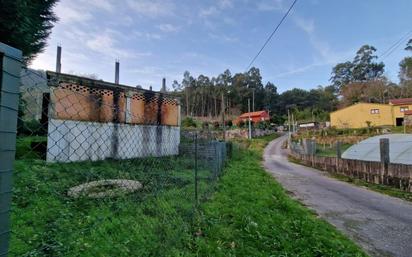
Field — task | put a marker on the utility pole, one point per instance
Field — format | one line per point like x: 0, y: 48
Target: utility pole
x: 288, y: 121
x: 253, y: 99
x: 289, y: 134
x: 223, y: 118
x: 250, y: 125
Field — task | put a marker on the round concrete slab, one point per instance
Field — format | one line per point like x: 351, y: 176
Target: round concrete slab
x: 105, y: 188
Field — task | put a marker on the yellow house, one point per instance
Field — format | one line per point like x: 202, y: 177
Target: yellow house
x: 361, y: 115
x: 399, y: 107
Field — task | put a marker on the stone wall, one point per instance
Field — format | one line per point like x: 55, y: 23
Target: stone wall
x: 243, y: 133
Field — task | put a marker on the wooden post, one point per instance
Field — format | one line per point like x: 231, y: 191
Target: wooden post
x: 313, y: 151
x: 339, y: 149
x: 385, y: 159
x: 338, y: 154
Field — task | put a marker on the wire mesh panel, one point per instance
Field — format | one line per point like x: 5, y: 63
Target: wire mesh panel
x: 101, y: 170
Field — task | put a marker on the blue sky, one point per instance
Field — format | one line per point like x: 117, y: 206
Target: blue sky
x: 163, y: 38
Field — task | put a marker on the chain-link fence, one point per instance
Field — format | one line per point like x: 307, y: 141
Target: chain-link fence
x: 103, y: 170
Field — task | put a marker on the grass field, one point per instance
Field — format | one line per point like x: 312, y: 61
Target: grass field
x: 155, y: 221
x: 251, y: 215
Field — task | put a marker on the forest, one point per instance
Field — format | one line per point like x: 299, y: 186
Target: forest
x: 359, y: 80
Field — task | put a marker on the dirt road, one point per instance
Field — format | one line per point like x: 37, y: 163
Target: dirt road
x: 382, y: 225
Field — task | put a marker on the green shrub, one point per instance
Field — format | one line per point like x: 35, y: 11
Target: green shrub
x: 31, y: 128
x: 189, y: 122
x: 205, y: 125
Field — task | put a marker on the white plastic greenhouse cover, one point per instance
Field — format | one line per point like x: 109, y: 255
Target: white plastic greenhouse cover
x: 400, y: 149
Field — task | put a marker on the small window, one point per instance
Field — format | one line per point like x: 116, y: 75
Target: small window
x: 374, y: 111
x: 404, y: 108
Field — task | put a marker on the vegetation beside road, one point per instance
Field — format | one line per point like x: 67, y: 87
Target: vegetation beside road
x: 251, y: 215
x: 383, y: 189
x: 330, y: 151
x: 388, y: 190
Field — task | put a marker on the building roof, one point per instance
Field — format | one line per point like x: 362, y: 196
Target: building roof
x: 408, y: 112
x: 252, y: 114
x: 400, y: 101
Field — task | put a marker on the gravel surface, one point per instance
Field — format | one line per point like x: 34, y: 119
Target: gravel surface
x: 381, y: 224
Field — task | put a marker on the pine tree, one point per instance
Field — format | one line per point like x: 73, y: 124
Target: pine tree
x: 26, y: 24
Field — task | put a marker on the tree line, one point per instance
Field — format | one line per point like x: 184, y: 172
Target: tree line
x: 359, y: 80
x: 207, y: 97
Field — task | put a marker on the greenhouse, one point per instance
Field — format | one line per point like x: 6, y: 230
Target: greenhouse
x: 400, y: 149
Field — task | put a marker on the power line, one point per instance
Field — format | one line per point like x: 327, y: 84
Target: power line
x: 271, y: 35
x: 394, y: 46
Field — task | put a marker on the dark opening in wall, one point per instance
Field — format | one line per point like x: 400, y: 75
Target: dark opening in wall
x: 399, y: 122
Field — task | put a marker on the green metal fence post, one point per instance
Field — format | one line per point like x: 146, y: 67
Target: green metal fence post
x: 196, y: 177
x: 10, y: 67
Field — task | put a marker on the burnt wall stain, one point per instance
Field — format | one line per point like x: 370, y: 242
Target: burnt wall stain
x: 149, y: 97
x: 116, y: 121
x: 159, y: 128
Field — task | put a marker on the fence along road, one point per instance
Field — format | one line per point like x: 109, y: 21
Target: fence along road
x: 100, y: 169
x: 382, y: 225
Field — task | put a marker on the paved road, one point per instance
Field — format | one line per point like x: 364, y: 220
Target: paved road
x: 382, y: 225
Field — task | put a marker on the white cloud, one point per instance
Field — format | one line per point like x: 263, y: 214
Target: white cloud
x: 147, y: 35
x: 216, y: 9
x: 68, y: 13
x: 101, y: 4
x: 223, y: 37
x: 301, y: 69
x: 229, y: 21
x: 168, y: 27
x: 223, y: 4
x: 105, y: 44
x: 212, y: 10
x: 305, y: 24
x: 322, y: 47
x: 325, y: 55
x: 271, y: 5
x: 154, y: 8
